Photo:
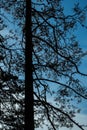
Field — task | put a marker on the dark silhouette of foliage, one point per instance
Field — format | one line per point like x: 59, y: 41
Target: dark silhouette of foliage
x: 56, y: 59
x: 12, y: 62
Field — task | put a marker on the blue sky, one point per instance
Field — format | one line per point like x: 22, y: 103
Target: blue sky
x: 80, y: 32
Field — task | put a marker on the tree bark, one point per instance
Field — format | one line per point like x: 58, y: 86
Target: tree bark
x: 29, y: 112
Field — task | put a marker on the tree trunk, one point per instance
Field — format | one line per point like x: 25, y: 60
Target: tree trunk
x: 29, y: 112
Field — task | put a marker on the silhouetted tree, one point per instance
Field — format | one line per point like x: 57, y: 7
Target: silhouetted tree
x: 56, y: 59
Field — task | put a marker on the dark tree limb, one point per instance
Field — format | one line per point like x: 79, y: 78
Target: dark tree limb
x: 59, y: 83
x: 47, y: 104
x: 67, y: 58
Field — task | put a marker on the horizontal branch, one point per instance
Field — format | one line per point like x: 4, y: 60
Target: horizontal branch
x: 56, y: 82
x: 10, y: 49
